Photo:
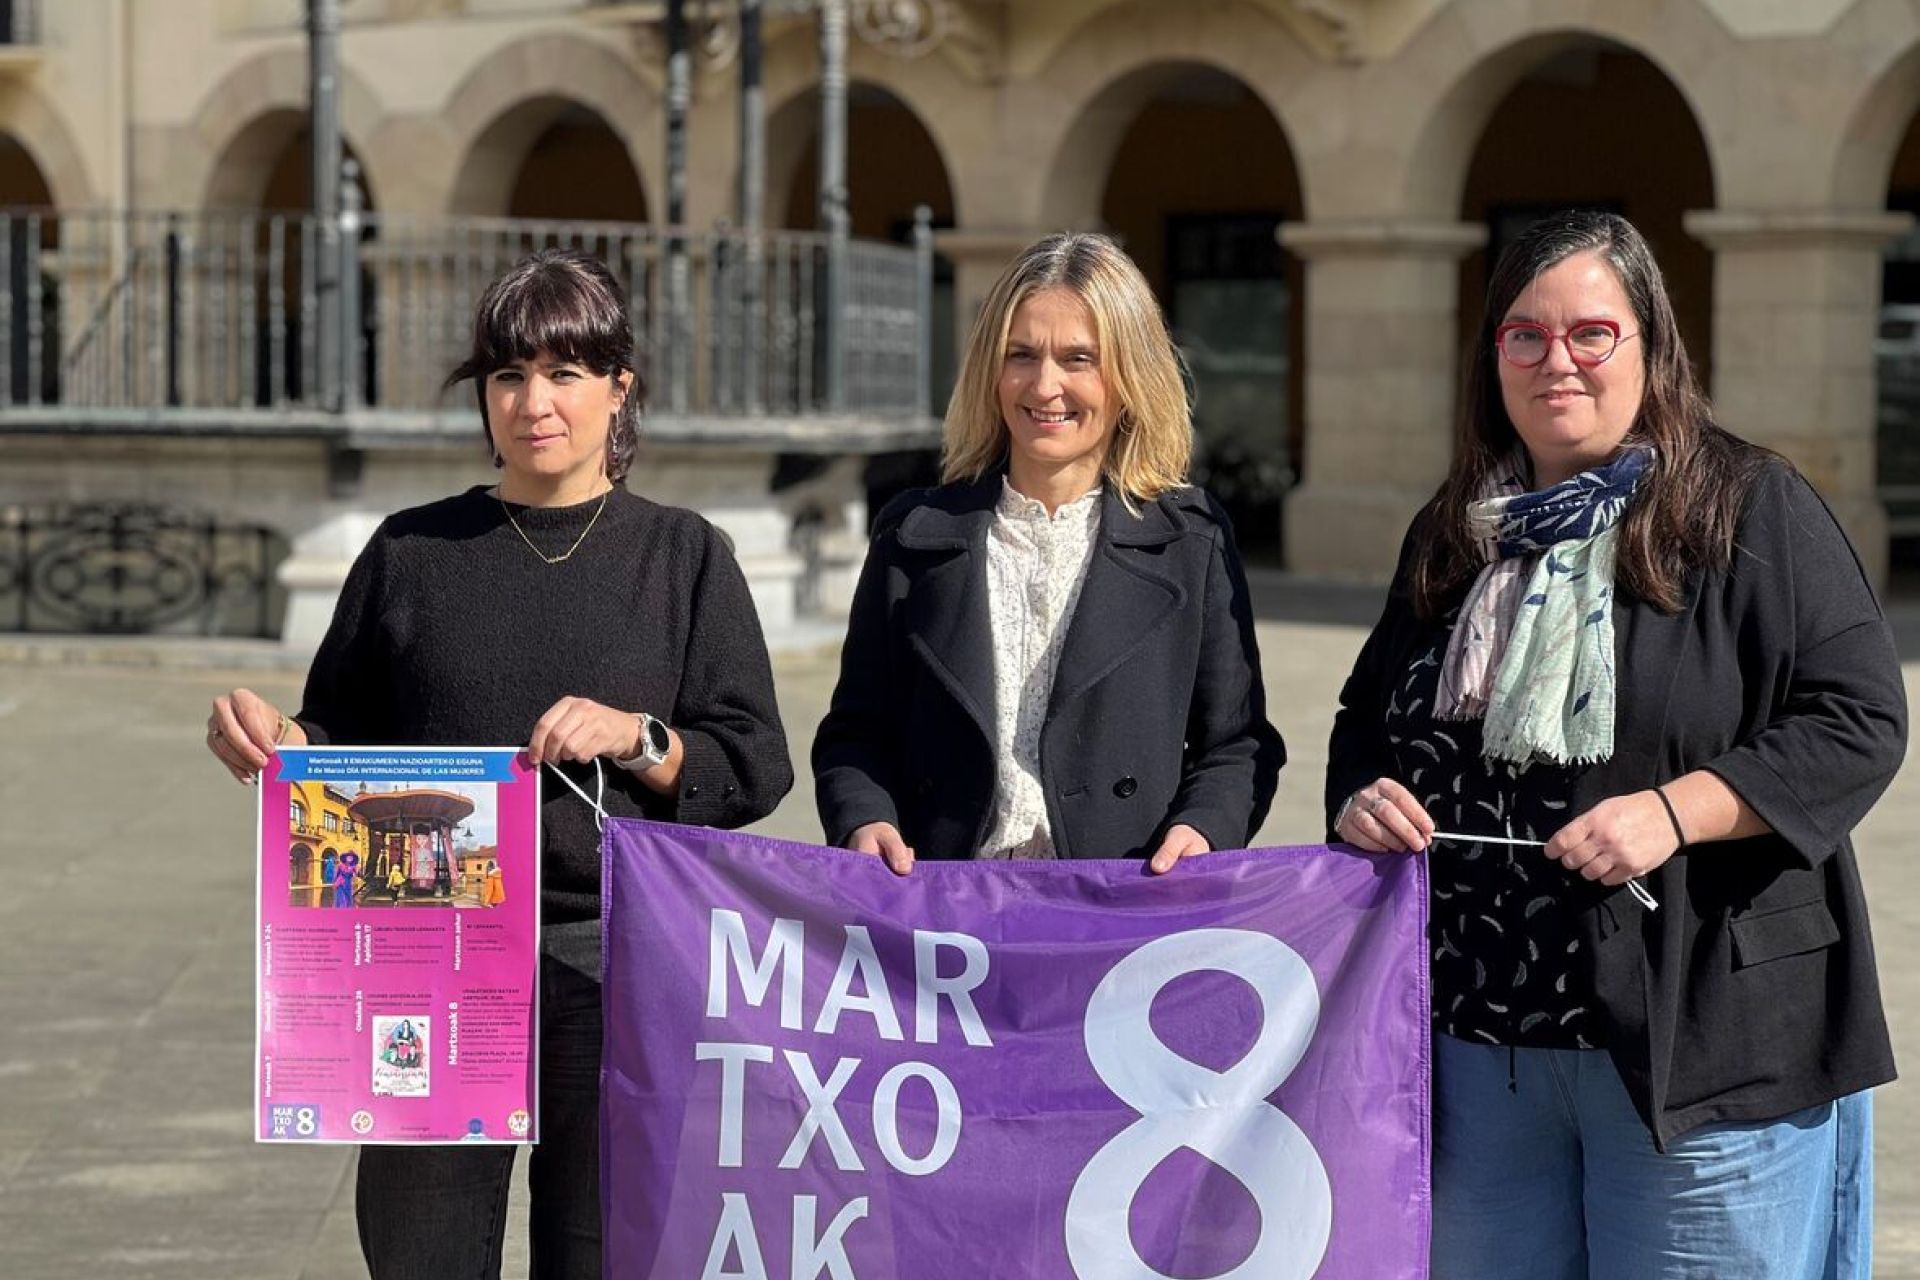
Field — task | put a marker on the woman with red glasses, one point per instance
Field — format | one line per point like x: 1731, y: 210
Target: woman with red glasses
x: 1631, y: 690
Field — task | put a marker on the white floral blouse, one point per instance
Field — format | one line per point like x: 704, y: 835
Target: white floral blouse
x: 1036, y: 564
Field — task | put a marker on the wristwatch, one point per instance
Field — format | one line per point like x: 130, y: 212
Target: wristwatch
x: 654, y: 745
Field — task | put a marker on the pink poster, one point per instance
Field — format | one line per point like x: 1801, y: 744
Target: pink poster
x: 399, y: 946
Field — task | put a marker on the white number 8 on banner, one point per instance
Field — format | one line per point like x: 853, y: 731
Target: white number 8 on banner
x: 1222, y: 1115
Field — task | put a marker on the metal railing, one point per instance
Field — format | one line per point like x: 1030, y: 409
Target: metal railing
x: 19, y: 22
x: 115, y: 568
x: 213, y: 314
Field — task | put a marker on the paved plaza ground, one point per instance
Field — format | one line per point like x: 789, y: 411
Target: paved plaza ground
x: 126, y: 880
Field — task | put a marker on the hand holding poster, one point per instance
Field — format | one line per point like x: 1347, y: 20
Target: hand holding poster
x: 1034, y: 1069
x: 398, y: 945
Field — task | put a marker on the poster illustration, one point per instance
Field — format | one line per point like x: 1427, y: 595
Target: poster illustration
x: 400, y: 1056
x: 398, y: 946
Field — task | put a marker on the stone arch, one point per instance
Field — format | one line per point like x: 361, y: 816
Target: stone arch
x: 248, y: 119
x: 23, y: 184
x: 928, y: 88
x: 1452, y: 128
x: 1876, y: 127
x: 895, y: 163
x: 265, y: 166
x: 510, y: 98
x: 1202, y: 225
x: 42, y: 133
x: 793, y: 142
x: 1127, y: 62
x: 1515, y: 172
x: 543, y: 137
x: 1877, y: 164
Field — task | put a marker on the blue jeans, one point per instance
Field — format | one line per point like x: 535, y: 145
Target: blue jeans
x: 1556, y: 1178
x: 440, y: 1213
x: 1851, y: 1257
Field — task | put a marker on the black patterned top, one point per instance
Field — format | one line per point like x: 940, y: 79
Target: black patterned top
x: 1507, y: 967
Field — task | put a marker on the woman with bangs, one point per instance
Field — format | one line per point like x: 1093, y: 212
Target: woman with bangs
x: 1052, y: 654
x: 612, y: 635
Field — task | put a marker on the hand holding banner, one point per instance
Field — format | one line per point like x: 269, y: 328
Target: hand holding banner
x: 1035, y: 1069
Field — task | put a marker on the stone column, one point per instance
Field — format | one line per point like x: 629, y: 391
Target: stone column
x: 1796, y: 296
x: 315, y: 570
x: 978, y: 256
x: 1382, y: 379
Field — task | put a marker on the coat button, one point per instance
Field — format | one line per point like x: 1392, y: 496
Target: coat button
x: 693, y: 791
x: 1125, y: 787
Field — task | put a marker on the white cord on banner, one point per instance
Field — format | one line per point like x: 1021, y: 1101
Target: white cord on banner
x: 1636, y: 886
x: 599, y: 791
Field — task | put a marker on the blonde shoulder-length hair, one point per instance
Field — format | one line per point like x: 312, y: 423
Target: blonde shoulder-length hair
x: 1152, y: 444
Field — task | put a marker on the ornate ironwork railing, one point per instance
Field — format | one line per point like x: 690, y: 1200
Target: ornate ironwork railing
x: 213, y: 315
x: 137, y: 569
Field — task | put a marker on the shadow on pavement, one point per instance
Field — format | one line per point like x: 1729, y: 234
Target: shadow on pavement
x: 1279, y: 596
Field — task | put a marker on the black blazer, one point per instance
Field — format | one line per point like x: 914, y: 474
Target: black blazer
x: 1751, y: 993
x: 1158, y: 715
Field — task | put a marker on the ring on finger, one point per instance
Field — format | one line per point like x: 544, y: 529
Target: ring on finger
x: 1373, y: 805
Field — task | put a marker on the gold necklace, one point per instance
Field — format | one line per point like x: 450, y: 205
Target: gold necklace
x: 529, y: 541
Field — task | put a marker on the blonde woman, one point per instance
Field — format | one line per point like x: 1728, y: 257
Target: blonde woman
x: 1051, y: 655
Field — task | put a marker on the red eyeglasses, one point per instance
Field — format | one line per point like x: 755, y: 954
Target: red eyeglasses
x: 1589, y: 342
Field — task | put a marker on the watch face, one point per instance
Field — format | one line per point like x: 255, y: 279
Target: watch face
x: 658, y: 743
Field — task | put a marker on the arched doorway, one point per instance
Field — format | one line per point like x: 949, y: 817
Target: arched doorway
x: 577, y: 169
x: 553, y: 159
x: 1896, y: 351
x: 1574, y: 133
x: 243, y: 274
x: 894, y: 165
x: 308, y: 877
x: 267, y: 166
x: 1202, y: 222
x: 29, y: 240
x: 287, y: 186
x: 564, y: 173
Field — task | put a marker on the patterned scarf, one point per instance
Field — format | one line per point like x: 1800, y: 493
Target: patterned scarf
x: 1532, y: 652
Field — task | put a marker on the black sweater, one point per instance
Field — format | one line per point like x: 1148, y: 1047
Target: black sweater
x: 1751, y: 993
x: 451, y: 632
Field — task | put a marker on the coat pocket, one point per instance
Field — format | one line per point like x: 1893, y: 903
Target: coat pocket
x: 1789, y: 931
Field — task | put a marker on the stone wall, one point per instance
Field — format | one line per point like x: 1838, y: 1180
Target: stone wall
x: 1792, y: 117
x: 800, y: 548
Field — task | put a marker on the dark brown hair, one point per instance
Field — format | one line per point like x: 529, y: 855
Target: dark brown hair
x: 570, y: 305
x: 1687, y: 507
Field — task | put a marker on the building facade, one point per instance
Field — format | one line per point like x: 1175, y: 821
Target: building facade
x: 322, y: 830
x: 1314, y: 187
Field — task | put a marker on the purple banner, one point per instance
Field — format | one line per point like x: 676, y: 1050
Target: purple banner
x: 1067, y: 1070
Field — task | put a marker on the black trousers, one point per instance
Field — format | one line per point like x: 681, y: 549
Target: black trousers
x: 440, y: 1213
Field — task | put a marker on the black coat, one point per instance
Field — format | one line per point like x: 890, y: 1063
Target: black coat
x: 1751, y: 992
x: 1157, y: 717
